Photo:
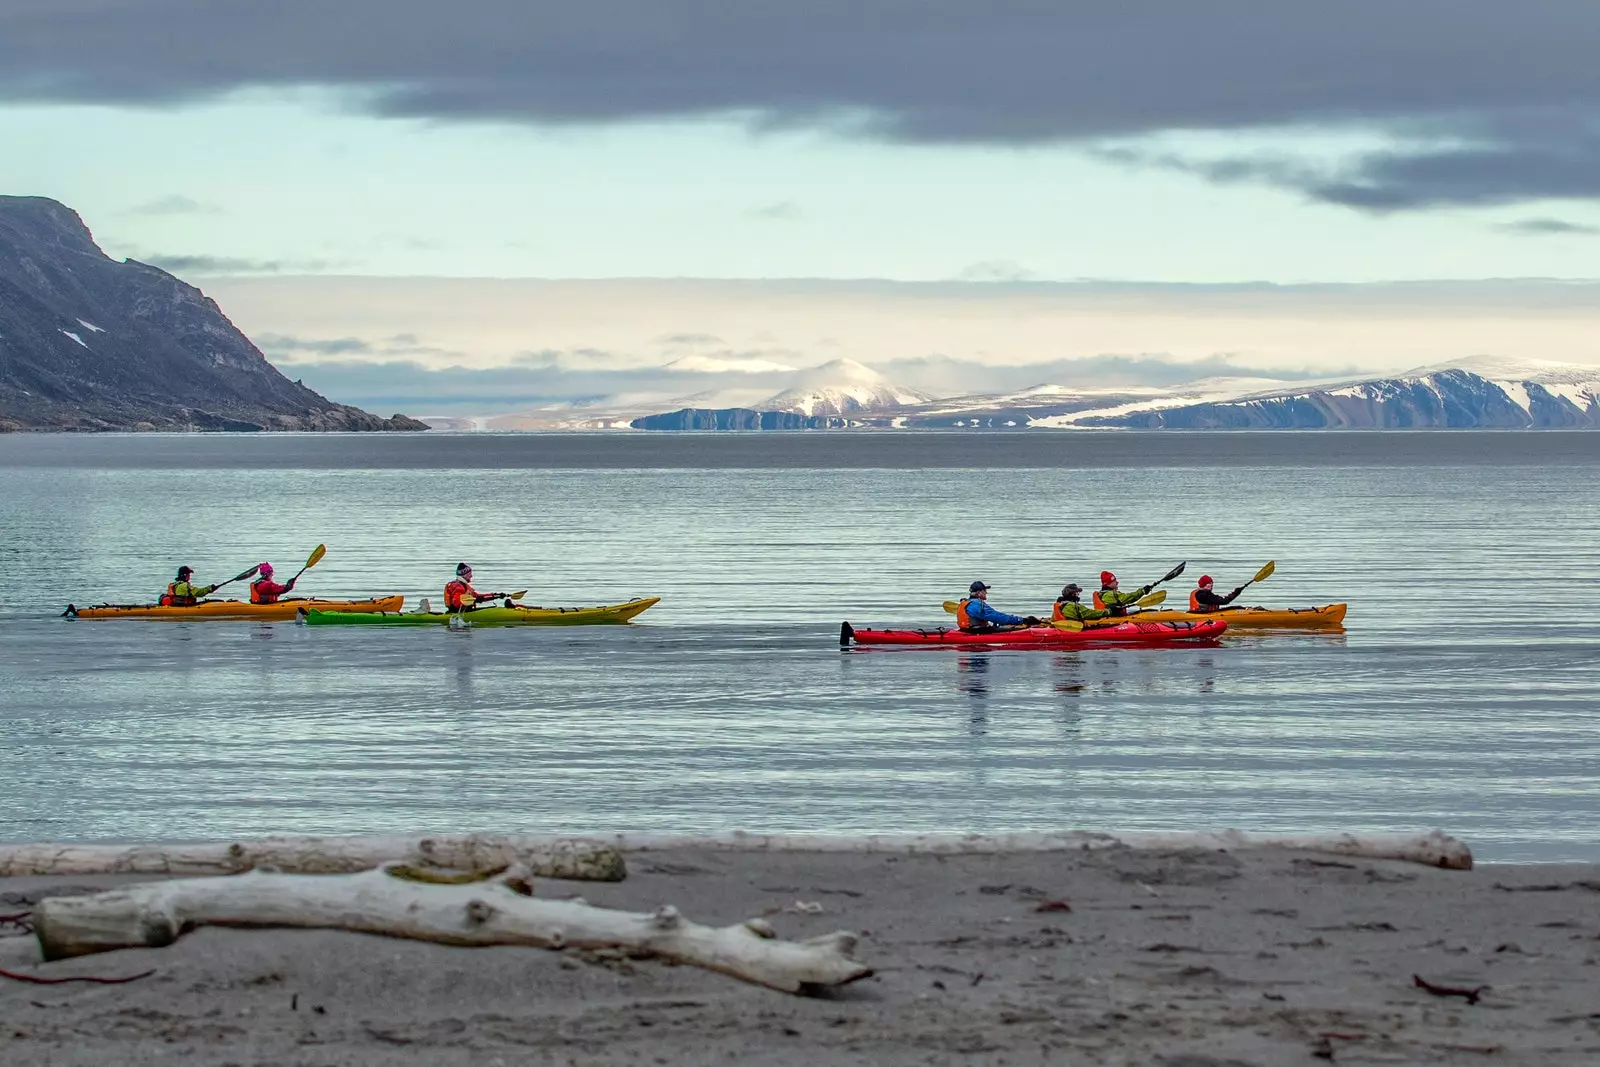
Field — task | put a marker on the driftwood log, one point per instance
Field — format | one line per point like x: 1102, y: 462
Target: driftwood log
x: 423, y: 905
x: 1435, y: 849
x: 546, y: 856
x: 599, y: 857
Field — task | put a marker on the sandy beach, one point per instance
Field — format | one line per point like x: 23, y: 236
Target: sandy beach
x: 1179, y: 959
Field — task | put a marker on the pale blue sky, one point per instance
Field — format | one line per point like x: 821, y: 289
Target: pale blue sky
x: 300, y: 183
x: 321, y: 144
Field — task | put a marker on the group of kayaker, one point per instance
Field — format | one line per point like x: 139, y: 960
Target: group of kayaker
x: 975, y: 613
x: 182, y: 592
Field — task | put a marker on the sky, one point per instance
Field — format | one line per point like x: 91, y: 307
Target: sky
x: 1158, y: 180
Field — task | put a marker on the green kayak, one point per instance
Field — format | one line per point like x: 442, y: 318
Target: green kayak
x: 495, y: 616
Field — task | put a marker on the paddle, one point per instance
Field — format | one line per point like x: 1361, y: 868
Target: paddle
x: 518, y: 595
x: 236, y: 578
x: 311, y: 561
x: 1261, y: 575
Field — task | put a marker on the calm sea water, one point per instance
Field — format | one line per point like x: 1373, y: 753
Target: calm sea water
x: 1464, y: 694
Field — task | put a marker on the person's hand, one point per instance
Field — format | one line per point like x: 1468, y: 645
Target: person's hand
x: 1031, y: 620
x: 1145, y: 590
x: 1237, y: 591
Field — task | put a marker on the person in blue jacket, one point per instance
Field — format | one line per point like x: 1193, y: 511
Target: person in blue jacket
x: 974, y: 613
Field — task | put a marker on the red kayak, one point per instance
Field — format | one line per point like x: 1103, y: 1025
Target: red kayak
x: 1046, y: 636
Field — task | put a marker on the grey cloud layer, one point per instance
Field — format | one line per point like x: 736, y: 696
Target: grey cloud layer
x: 1513, y: 84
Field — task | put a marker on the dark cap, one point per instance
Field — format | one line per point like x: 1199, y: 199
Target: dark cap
x: 185, y: 570
x: 462, y: 568
x: 976, y: 587
x: 1070, y: 588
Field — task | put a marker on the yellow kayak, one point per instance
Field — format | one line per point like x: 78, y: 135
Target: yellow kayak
x: 232, y: 609
x: 487, y: 616
x: 1327, y: 616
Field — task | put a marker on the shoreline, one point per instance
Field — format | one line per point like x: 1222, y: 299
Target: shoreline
x: 1188, y: 957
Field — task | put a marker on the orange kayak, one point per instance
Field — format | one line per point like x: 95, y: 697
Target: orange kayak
x: 1329, y: 616
x: 232, y: 609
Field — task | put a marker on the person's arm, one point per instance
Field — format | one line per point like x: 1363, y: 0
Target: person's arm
x: 985, y: 613
x: 1116, y: 598
x: 1229, y: 599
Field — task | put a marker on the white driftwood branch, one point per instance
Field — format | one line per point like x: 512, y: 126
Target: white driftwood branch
x: 545, y: 855
x: 492, y: 912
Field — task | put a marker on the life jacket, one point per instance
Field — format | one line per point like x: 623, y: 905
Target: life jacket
x: 963, y: 620
x: 171, y: 599
x: 1194, y: 601
x: 259, y: 595
x: 455, y: 595
x: 1056, y: 615
x: 1100, y: 604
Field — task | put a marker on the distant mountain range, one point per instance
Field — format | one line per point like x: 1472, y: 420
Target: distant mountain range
x: 88, y: 343
x: 1478, y: 393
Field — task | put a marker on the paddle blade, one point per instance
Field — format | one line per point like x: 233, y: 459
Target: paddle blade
x: 518, y: 595
x: 315, y: 557
x: 1067, y: 624
x: 1151, y: 600
x: 1173, y: 573
x: 1265, y: 572
x: 951, y: 606
x: 251, y: 573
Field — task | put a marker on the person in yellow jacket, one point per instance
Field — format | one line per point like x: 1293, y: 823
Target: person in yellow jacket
x: 1069, y: 608
x: 182, y: 593
x: 1114, y: 600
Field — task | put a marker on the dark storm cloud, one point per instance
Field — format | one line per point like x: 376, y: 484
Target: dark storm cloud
x: 1549, y: 227
x: 1501, y: 76
x: 199, y: 264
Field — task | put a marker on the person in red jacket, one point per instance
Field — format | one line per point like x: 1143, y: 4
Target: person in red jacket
x: 266, y: 591
x: 460, y: 596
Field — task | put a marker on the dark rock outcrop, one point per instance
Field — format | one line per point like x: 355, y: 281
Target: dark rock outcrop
x: 88, y: 343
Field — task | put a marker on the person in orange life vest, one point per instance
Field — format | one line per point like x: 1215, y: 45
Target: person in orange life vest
x: 460, y: 596
x: 266, y: 591
x: 1069, y: 608
x: 1202, y: 598
x: 1109, y: 598
x: 974, y: 613
x: 183, y: 593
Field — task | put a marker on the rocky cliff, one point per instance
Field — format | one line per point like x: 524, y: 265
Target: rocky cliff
x: 88, y: 343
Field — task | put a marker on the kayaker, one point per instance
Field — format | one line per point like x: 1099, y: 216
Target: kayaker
x: 974, y: 613
x: 1112, y: 600
x: 460, y: 596
x: 182, y: 593
x: 1068, y: 607
x: 266, y: 591
x: 1202, y: 598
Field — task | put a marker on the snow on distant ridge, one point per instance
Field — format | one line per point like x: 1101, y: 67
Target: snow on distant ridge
x: 839, y: 387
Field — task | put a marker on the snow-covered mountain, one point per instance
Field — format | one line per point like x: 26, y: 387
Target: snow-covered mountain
x: 1476, y: 393
x: 841, y: 387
